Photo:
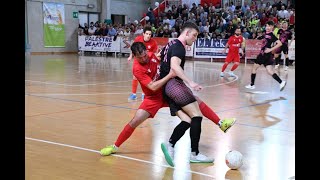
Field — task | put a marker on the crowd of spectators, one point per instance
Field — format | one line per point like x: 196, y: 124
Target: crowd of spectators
x: 213, y: 21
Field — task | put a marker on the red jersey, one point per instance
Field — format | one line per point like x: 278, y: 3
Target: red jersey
x: 145, y: 73
x: 234, y: 44
x: 151, y: 45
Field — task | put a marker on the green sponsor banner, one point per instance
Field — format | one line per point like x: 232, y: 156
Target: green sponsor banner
x: 54, y: 22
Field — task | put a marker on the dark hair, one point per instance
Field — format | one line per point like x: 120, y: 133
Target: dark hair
x: 137, y: 48
x: 190, y: 25
x: 270, y: 23
x: 147, y: 28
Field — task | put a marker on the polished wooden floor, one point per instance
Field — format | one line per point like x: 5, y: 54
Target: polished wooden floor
x: 75, y: 105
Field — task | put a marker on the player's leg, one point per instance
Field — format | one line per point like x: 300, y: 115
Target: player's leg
x: 133, y: 95
x: 236, y: 62
x: 148, y: 108
x: 268, y: 64
x: 253, y: 76
x: 226, y: 63
x: 224, y: 124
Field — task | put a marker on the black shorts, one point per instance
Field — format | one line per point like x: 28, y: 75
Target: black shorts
x: 265, y: 59
x: 284, y: 48
x: 178, y: 95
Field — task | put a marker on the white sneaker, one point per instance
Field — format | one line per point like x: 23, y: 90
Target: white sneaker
x: 282, y: 85
x: 200, y: 158
x: 221, y: 74
x: 168, y: 152
x: 276, y: 66
x: 231, y: 74
x: 286, y: 68
x: 250, y: 87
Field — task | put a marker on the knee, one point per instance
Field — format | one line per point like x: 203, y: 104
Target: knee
x: 135, y: 122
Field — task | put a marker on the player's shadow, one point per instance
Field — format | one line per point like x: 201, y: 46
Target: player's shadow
x: 177, y: 174
x: 234, y: 175
x: 263, y: 108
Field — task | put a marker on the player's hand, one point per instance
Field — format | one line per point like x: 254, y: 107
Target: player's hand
x: 195, y: 86
x: 158, y: 55
x: 267, y: 50
x: 224, y: 51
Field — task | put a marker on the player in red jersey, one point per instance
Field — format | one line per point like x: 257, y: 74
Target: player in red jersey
x: 234, y: 43
x: 151, y: 46
x: 146, y: 68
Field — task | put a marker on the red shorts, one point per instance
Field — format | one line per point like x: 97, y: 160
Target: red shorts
x: 233, y: 57
x: 153, y: 104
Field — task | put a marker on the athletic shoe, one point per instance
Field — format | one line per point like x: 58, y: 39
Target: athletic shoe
x: 231, y: 74
x: 286, y: 68
x: 221, y: 74
x: 168, y: 152
x: 250, y: 87
x: 108, y: 150
x: 227, y: 123
x: 282, y: 85
x: 132, y: 97
x: 200, y: 158
x: 276, y: 66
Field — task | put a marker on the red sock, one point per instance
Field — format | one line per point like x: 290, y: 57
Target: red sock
x: 124, y: 135
x: 224, y: 67
x: 208, y: 113
x: 134, y: 86
x: 234, y: 66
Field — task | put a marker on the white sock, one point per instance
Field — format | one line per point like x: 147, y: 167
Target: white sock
x: 115, y: 147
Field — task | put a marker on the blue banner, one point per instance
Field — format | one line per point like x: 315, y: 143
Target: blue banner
x: 210, y: 48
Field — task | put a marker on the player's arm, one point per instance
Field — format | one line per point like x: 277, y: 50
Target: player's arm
x: 175, y: 66
x: 278, y: 44
x: 292, y: 38
x: 225, y: 48
x: 155, y: 85
x: 243, y: 45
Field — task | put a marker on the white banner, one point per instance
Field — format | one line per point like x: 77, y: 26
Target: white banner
x: 125, y: 44
x: 291, y: 52
x: 98, y: 43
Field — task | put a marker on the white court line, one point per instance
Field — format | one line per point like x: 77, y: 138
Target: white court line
x: 125, y: 157
x: 60, y: 84
x: 222, y: 83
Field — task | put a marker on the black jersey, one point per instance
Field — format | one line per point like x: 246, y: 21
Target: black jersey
x: 173, y: 48
x: 267, y: 41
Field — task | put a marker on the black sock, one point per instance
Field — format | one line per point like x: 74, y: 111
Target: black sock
x: 178, y: 132
x: 253, y: 78
x: 276, y: 77
x: 287, y: 62
x: 195, y: 131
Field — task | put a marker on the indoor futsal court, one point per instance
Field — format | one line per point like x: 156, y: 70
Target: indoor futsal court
x: 77, y: 104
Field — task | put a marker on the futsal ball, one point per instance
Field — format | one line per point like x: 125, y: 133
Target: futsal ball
x: 234, y: 159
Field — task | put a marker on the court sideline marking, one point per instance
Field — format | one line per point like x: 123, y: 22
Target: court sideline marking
x: 125, y: 157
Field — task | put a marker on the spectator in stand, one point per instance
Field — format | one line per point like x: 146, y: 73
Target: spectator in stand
x: 112, y: 31
x: 263, y: 19
x: 91, y: 30
x: 283, y: 14
x: 151, y: 16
